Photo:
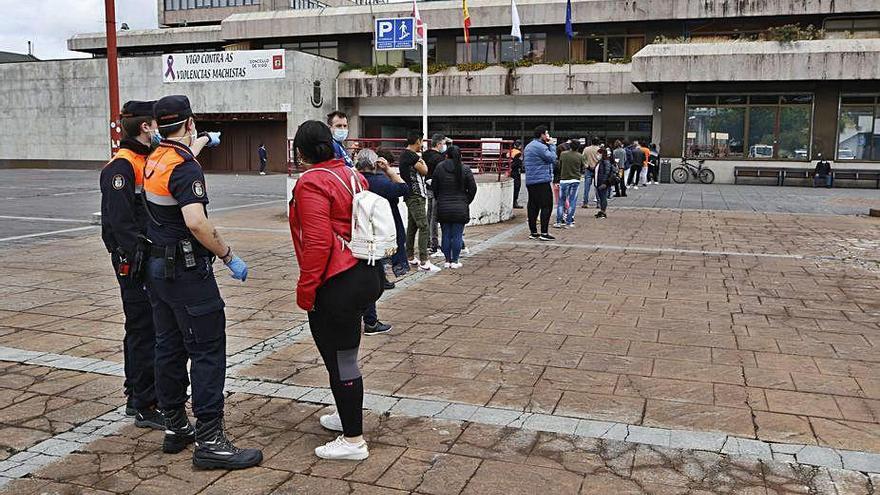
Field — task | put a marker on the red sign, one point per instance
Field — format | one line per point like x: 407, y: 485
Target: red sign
x: 277, y: 62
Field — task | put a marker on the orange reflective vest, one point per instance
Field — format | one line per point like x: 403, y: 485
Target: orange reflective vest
x: 157, y: 172
x: 137, y: 164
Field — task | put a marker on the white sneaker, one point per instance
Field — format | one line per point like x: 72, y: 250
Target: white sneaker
x: 331, y: 422
x: 636, y: 188
x: 414, y: 261
x: 341, y: 449
x: 429, y: 267
x: 557, y: 225
x: 447, y: 265
x: 262, y: 173
x: 455, y: 266
x: 438, y: 254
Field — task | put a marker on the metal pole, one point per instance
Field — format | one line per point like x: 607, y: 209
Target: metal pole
x: 112, y: 74
x: 425, y: 82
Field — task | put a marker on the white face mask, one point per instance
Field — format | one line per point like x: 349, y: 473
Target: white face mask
x: 443, y: 148
x: 340, y: 134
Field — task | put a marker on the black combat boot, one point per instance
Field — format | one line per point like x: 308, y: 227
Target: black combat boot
x: 149, y: 418
x: 179, y: 432
x: 129, y: 407
x: 215, y: 451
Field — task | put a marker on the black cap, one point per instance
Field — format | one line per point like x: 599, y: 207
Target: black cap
x: 137, y: 109
x: 172, y: 110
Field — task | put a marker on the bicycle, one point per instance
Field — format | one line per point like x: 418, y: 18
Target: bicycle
x: 686, y: 170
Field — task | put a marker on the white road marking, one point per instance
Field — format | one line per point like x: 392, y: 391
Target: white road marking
x: 43, y: 234
x: 44, y: 219
x: 251, y: 205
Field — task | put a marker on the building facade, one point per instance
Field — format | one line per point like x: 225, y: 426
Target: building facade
x: 765, y: 83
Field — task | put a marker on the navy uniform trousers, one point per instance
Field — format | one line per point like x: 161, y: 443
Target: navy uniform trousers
x: 139, y: 343
x: 190, y: 325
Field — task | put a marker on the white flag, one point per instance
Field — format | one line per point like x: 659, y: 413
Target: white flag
x: 514, y: 30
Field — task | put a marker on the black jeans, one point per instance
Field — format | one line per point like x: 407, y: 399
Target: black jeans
x: 654, y: 172
x: 139, y: 344
x: 540, y: 202
x: 517, y: 185
x: 263, y: 164
x: 336, y: 328
x: 190, y: 325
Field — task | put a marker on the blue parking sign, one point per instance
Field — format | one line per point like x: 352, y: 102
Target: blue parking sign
x: 397, y: 33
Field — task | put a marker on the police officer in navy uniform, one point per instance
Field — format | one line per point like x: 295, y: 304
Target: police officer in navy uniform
x: 187, y: 307
x: 122, y: 229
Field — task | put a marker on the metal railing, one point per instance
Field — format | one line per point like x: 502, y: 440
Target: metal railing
x: 483, y: 156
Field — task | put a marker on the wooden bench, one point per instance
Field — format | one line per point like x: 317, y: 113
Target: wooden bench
x: 856, y: 177
x: 759, y: 173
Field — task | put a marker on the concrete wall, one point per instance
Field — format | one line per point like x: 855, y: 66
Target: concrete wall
x: 58, y: 110
x: 829, y: 60
x: 496, y: 13
x: 592, y: 79
x: 194, y: 35
x: 492, y: 204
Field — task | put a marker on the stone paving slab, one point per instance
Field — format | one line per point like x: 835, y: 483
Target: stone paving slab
x: 417, y: 455
x: 705, y: 342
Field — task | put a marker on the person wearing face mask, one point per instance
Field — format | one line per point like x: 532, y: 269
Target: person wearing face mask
x: 432, y: 158
x: 539, y: 159
x: 338, y: 122
x: 122, y: 229
x: 187, y: 306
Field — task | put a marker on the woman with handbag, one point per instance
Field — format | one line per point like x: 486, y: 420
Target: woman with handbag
x: 334, y: 286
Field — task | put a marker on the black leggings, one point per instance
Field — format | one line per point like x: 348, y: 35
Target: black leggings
x: 540, y: 201
x: 336, y: 328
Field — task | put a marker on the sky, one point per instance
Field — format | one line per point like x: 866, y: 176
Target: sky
x: 49, y: 23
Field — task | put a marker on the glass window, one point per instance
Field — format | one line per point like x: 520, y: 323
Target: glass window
x: 755, y: 126
x: 856, y: 133
x: 596, y: 49
x: 794, y: 132
x: 399, y: 58
x: 762, y: 131
x: 493, y: 48
x: 616, y: 49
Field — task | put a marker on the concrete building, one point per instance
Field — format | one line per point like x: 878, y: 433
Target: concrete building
x: 706, y: 79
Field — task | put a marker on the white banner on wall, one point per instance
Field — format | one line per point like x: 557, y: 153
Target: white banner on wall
x: 223, y: 66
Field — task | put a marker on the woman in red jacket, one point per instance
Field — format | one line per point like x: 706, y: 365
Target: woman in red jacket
x: 334, y: 286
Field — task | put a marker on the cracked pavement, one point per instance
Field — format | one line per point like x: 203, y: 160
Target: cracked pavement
x: 697, y: 352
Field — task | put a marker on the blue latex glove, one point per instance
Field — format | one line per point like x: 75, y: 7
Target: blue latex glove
x: 213, y: 139
x: 238, y: 268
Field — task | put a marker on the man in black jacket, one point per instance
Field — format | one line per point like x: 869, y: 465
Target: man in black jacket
x: 123, y: 224
x: 822, y: 175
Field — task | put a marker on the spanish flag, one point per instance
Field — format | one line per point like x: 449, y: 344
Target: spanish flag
x: 467, y: 22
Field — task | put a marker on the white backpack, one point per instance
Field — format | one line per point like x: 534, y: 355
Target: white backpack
x: 373, y: 233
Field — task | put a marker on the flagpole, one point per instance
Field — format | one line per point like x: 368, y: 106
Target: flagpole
x: 424, y: 81
x: 569, y: 65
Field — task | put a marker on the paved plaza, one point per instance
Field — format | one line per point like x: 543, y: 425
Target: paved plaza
x: 687, y: 344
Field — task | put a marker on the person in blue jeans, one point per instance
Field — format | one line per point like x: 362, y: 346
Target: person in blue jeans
x: 571, y: 166
x: 454, y: 190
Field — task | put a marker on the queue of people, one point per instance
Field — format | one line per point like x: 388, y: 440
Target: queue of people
x: 554, y: 172
x: 162, y: 245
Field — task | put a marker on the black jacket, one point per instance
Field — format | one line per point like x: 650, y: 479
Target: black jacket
x: 454, y: 189
x: 123, y: 215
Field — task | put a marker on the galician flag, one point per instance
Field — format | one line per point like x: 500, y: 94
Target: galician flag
x: 514, y: 30
x: 420, y: 26
x: 467, y: 22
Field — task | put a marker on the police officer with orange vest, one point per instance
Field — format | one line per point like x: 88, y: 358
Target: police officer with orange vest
x: 187, y: 307
x: 122, y: 229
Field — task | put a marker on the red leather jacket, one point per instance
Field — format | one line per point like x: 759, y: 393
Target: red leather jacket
x: 320, y: 212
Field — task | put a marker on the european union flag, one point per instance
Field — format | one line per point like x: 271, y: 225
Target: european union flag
x: 569, y: 31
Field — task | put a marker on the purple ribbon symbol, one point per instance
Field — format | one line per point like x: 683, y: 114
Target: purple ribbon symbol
x: 170, y: 71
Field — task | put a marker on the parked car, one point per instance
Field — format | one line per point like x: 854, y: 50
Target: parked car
x: 761, y: 151
x: 800, y: 154
x: 845, y: 154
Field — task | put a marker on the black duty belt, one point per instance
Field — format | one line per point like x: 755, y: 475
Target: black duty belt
x: 159, y: 251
